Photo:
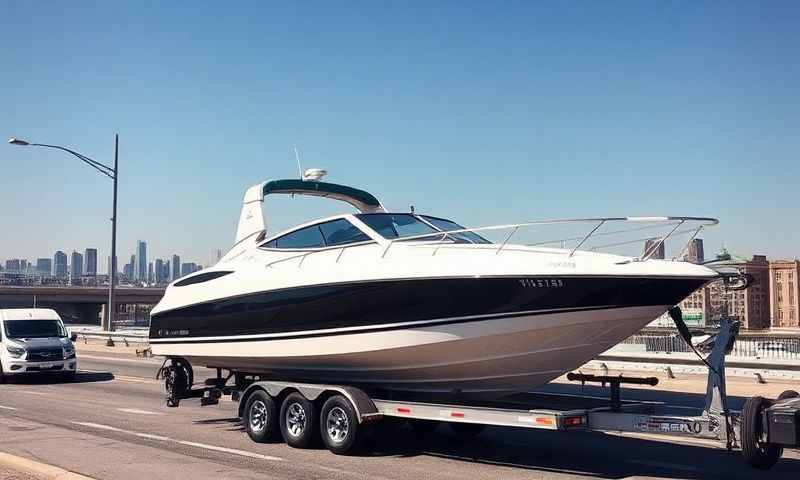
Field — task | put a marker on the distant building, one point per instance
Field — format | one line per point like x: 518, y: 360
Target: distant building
x: 12, y: 266
x: 23, y: 266
x: 60, y: 265
x: 141, y: 261
x: 176, y: 267
x: 188, y: 268
x: 90, y: 257
x: 76, y: 268
x: 44, y: 266
x: 150, y: 273
x: 750, y: 306
x: 653, y: 248
x: 694, y: 252
x: 784, y: 293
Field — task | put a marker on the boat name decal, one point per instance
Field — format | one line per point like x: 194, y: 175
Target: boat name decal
x: 564, y: 264
x: 541, y: 282
x: 172, y: 333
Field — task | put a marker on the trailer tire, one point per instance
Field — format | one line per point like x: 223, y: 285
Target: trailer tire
x: 260, y: 417
x: 298, y: 421
x: 758, y: 454
x: 788, y: 394
x: 466, y: 431
x: 339, y: 426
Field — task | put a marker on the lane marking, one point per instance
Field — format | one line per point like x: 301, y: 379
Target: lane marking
x: 665, y: 465
x: 3, y: 407
x: 123, y: 378
x: 142, y: 361
x: 215, y: 448
x: 138, y: 412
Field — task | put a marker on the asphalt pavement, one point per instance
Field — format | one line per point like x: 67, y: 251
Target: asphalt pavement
x: 113, y: 423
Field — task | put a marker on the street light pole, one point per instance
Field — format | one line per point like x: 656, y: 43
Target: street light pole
x: 113, y: 262
x: 107, y: 324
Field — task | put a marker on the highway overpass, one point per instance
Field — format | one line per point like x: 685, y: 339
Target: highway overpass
x: 82, y: 304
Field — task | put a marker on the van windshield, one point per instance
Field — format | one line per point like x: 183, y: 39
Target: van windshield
x: 34, y: 328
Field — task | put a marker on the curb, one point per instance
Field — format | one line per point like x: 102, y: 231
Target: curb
x: 29, y: 466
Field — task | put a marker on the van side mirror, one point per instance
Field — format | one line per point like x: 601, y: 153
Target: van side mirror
x: 73, y: 336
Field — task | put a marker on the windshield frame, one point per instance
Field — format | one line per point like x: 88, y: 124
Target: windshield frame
x: 62, y: 330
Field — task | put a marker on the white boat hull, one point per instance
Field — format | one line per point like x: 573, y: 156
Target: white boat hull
x: 480, y: 356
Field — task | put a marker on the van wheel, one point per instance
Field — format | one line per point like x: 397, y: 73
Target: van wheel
x: 298, y: 421
x: 339, y: 425
x: 260, y: 417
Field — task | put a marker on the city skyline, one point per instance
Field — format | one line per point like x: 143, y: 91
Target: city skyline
x: 602, y: 110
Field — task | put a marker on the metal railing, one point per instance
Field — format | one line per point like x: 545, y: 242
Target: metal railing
x: 675, y: 222
x: 766, y: 346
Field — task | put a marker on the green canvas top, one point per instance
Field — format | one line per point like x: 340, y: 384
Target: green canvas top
x: 360, y: 199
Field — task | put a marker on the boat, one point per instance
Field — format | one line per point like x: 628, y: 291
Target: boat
x: 409, y: 302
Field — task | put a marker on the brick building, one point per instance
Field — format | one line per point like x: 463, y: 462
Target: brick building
x: 784, y: 294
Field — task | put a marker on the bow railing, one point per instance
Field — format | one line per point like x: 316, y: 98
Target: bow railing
x: 438, y: 239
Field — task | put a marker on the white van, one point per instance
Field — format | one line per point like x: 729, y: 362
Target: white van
x: 34, y: 340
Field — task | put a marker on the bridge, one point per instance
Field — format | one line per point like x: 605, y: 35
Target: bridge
x: 83, y: 304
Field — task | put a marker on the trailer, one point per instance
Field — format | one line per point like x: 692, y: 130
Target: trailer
x: 341, y: 415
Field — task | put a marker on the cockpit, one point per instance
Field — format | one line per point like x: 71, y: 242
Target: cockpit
x: 391, y: 226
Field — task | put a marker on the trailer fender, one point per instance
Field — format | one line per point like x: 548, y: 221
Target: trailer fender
x: 363, y: 404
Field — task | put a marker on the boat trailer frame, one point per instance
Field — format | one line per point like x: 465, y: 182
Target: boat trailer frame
x: 761, y: 430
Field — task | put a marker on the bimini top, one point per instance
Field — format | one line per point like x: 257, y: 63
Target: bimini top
x: 251, y: 220
x: 364, y: 201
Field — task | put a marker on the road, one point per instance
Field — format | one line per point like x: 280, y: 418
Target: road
x: 112, y: 423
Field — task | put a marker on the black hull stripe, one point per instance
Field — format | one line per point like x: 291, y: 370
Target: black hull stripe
x: 386, y: 328
x: 395, y: 304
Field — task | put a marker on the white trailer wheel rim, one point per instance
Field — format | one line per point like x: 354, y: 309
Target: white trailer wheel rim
x: 258, y: 416
x: 338, y: 426
x: 295, y: 419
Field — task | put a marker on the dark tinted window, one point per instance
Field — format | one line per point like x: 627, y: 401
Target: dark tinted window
x: 396, y: 225
x: 341, y: 232
x: 200, y: 278
x: 309, y: 237
x: 34, y: 328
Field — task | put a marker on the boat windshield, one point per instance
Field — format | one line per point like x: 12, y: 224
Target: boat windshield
x: 397, y: 225
x: 445, y: 225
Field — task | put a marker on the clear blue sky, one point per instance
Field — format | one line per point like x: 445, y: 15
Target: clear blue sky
x: 486, y: 112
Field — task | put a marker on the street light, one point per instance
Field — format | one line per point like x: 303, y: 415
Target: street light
x: 111, y: 173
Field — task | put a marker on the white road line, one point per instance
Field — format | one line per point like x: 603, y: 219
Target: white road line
x: 138, y: 412
x: 31, y: 392
x: 123, y: 378
x: 2, y: 407
x: 666, y: 465
x: 119, y: 360
x: 232, y: 451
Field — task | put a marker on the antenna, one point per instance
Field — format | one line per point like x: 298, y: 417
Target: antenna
x: 297, y: 157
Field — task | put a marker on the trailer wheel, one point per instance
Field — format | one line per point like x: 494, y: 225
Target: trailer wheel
x: 298, y: 421
x: 339, y: 425
x: 755, y: 450
x: 788, y: 394
x: 466, y: 431
x: 260, y: 417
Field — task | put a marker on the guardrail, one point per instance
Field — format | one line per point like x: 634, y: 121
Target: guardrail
x: 750, y: 346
